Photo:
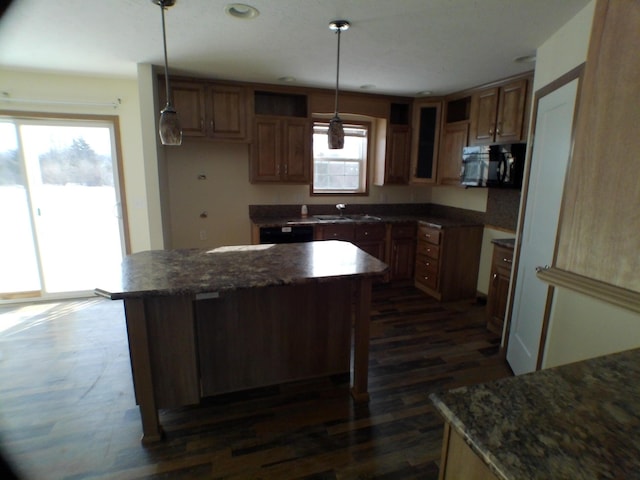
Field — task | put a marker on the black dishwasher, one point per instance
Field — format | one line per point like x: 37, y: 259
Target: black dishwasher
x: 292, y: 234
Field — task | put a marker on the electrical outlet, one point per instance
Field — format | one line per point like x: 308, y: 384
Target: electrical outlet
x: 203, y: 234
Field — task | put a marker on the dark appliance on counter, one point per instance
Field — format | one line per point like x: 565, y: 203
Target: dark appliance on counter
x: 288, y: 234
x: 500, y: 166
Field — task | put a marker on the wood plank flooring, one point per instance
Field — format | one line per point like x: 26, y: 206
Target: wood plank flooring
x: 67, y: 408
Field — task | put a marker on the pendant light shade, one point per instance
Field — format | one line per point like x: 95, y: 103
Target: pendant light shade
x: 169, y: 125
x: 336, y: 129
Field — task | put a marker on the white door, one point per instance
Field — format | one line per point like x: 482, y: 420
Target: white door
x: 550, y: 157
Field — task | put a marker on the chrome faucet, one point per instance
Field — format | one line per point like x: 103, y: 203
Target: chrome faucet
x: 340, y: 207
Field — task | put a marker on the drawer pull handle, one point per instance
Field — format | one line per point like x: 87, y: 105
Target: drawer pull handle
x: 507, y: 260
x: 495, y: 277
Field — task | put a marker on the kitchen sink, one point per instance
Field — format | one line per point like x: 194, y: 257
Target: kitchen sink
x: 333, y: 218
x: 360, y: 217
x: 365, y: 216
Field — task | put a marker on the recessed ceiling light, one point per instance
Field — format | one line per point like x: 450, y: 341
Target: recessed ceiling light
x: 368, y: 86
x: 424, y: 93
x: 525, y: 59
x: 287, y: 79
x: 242, y: 11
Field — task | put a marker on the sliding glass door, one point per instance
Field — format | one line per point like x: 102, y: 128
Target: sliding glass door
x: 59, y: 206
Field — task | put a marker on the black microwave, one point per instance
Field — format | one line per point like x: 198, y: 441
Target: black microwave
x: 500, y: 166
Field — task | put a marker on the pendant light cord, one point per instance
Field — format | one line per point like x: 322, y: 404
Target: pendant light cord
x: 338, y: 31
x: 166, y: 64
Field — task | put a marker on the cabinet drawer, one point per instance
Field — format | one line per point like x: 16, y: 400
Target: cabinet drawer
x: 426, y: 263
x: 427, y: 277
x: 429, y: 234
x: 403, y: 230
x: 338, y: 232
x: 374, y: 231
x: 502, y: 260
x: 428, y: 249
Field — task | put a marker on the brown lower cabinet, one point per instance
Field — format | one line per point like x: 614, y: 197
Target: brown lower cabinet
x: 459, y: 461
x: 401, y: 251
x: 370, y: 237
x: 447, y: 260
x: 499, y: 287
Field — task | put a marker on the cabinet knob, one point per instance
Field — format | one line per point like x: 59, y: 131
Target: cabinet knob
x: 213, y: 126
x: 491, y: 131
x: 499, y: 129
x: 366, y: 233
x: 495, y: 277
x: 507, y: 260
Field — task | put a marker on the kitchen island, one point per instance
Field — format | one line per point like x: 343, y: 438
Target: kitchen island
x: 578, y: 421
x: 207, y: 322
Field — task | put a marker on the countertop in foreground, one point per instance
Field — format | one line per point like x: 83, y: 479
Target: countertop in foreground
x: 577, y: 421
x: 193, y: 271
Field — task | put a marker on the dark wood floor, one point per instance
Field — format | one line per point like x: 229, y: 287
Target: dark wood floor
x: 67, y: 409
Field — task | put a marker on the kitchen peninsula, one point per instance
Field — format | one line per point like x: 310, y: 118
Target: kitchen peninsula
x: 207, y: 322
x: 577, y: 421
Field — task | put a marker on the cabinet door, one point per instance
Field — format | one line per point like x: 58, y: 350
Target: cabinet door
x: 397, y: 159
x: 227, y: 112
x: 403, y: 258
x: 337, y: 232
x: 511, y: 108
x: 425, y: 143
x: 265, y: 151
x: 188, y: 100
x: 297, y: 151
x: 484, y: 107
x: 454, y: 139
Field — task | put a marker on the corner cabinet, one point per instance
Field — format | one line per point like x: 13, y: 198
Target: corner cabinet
x: 208, y: 110
x: 425, y: 142
x: 281, y: 143
x: 498, y: 113
x: 448, y: 260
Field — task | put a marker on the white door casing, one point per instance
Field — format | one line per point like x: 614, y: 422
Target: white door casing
x: 549, y: 162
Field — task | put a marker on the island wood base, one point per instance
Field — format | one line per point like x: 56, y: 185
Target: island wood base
x: 183, y: 348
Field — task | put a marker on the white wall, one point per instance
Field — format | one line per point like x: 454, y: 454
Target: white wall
x: 227, y: 193
x: 580, y: 327
x: 52, y: 87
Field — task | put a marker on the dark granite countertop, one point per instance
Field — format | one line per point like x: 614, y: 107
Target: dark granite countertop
x: 504, y: 242
x: 437, y: 222
x: 193, y: 271
x: 579, y: 421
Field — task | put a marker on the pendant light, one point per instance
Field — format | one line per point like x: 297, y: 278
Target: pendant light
x: 169, y: 126
x: 336, y: 129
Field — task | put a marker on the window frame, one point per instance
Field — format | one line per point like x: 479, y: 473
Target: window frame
x: 365, y: 176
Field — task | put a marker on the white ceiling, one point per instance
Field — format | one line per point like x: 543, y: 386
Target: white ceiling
x: 400, y: 46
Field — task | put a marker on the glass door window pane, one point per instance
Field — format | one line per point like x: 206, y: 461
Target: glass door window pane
x: 19, y: 272
x: 70, y: 172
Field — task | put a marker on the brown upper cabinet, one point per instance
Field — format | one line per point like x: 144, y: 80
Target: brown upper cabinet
x: 425, y: 141
x: 209, y: 110
x: 393, y: 162
x: 498, y: 113
x: 281, y: 145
